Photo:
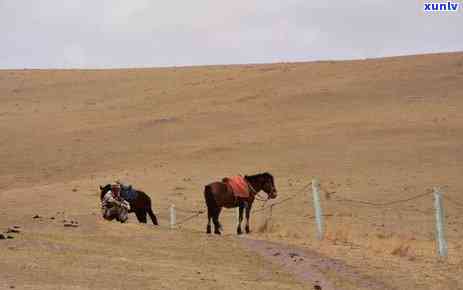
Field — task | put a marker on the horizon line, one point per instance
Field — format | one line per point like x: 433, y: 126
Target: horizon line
x: 183, y: 66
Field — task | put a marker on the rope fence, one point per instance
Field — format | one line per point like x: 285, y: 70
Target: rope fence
x: 454, y: 202
x: 268, y: 207
x: 384, y: 204
x: 198, y: 213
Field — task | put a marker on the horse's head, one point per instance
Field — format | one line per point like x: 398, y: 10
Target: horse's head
x: 104, y: 190
x: 265, y: 183
x: 268, y: 185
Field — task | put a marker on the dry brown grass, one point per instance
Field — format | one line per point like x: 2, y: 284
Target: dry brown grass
x: 376, y: 130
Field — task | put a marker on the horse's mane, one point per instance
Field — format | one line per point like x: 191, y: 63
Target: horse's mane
x: 265, y: 175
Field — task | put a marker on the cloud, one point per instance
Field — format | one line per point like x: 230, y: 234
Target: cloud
x: 118, y: 33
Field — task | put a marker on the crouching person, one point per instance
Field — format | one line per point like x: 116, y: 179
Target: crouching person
x: 113, y: 207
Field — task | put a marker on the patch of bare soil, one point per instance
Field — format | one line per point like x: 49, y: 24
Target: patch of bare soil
x: 313, y: 268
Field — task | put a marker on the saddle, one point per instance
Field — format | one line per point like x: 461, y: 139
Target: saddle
x: 128, y: 193
x: 238, y: 185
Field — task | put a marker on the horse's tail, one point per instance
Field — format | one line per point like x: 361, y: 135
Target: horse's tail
x: 150, y: 212
x: 212, y: 207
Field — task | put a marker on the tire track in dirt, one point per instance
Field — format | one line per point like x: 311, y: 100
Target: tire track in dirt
x: 313, y: 268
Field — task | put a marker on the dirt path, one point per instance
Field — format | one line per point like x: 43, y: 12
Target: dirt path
x: 312, y: 268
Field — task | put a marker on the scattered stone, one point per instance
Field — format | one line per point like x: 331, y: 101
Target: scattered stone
x: 2, y: 237
x: 36, y: 216
x: 71, y: 225
x: 13, y: 230
x: 52, y: 218
x: 74, y: 190
x: 276, y: 254
x: 317, y: 287
x: 401, y: 251
x: 292, y: 255
x: 16, y: 227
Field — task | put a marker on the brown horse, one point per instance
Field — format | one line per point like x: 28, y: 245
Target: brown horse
x: 140, y: 204
x: 218, y: 195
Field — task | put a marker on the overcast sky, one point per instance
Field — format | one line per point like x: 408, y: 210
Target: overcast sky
x: 134, y: 33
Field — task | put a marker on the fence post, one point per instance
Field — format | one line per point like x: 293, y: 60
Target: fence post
x: 172, y: 216
x: 270, y: 221
x: 334, y: 230
x: 317, y: 207
x: 440, y: 231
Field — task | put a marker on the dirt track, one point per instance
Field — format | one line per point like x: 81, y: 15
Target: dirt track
x: 373, y: 130
x: 313, y: 268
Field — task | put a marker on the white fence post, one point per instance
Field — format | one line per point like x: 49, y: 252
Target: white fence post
x: 172, y: 216
x: 317, y: 207
x: 269, y: 218
x: 335, y: 222
x: 440, y: 230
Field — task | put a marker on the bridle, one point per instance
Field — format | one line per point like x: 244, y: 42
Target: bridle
x: 252, y: 188
x: 256, y: 193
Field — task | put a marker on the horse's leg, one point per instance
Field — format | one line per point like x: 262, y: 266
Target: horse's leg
x: 211, y: 206
x: 240, y: 218
x: 209, y: 218
x: 218, y: 214
x: 215, y: 219
x: 248, y: 214
x: 141, y: 215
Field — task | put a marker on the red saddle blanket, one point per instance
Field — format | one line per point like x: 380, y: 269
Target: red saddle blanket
x: 238, y: 185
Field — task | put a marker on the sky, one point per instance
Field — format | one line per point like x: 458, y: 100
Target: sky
x: 152, y: 33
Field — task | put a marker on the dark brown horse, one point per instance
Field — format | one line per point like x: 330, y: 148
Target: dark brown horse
x: 140, y: 204
x: 219, y: 195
